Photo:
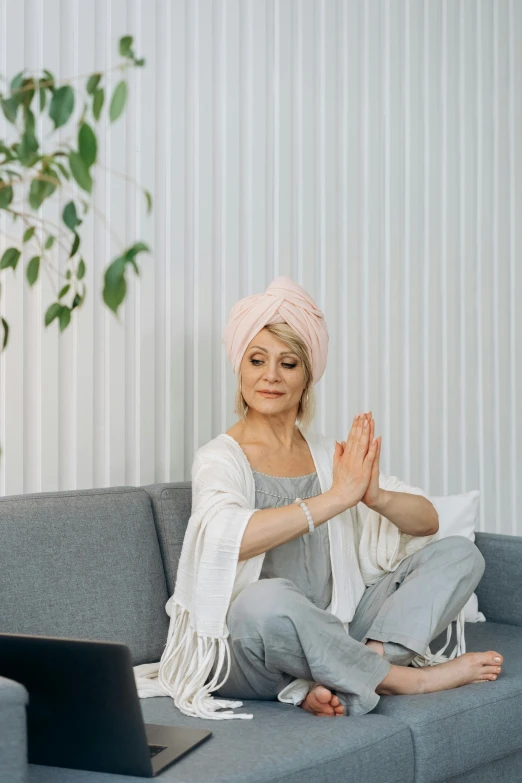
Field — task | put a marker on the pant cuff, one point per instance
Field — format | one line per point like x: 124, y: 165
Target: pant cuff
x: 361, y: 705
x: 399, y: 638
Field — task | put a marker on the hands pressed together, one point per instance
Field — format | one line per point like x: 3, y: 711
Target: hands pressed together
x: 356, y: 464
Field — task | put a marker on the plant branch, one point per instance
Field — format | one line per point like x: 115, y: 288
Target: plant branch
x: 49, y: 82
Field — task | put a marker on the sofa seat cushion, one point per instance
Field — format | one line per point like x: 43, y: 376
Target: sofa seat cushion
x: 280, y: 743
x: 457, y: 730
x: 84, y: 564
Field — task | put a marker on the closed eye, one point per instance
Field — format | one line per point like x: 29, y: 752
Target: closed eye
x: 285, y: 364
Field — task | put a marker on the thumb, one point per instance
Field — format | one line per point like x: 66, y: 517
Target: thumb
x: 337, y: 452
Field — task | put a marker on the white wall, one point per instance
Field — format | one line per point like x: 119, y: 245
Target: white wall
x: 369, y: 150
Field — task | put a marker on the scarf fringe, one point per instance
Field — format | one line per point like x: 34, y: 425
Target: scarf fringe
x: 185, y: 665
x: 431, y: 659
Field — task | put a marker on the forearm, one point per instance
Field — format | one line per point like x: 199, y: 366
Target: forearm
x: 412, y: 514
x: 271, y: 527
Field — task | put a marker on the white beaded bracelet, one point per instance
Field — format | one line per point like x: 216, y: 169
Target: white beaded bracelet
x: 305, y: 508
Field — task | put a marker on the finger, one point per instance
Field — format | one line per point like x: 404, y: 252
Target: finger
x: 355, y: 434
x: 353, y: 428
x: 362, y: 445
x: 371, y: 456
x: 377, y: 454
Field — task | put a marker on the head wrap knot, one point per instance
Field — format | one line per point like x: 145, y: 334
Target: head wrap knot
x: 283, y: 301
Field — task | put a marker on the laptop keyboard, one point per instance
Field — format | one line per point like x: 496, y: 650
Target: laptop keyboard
x: 154, y: 749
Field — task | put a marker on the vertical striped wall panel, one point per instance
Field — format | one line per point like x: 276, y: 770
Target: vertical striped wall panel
x: 369, y: 150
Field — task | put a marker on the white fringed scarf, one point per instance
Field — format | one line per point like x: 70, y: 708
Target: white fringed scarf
x: 364, y: 546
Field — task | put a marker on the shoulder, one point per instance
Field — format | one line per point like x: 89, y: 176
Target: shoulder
x: 215, y: 450
x: 221, y: 458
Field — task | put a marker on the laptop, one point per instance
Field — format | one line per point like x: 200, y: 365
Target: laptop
x: 84, y: 711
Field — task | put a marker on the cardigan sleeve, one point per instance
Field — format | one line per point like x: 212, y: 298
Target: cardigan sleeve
x: 208, y: 569
x: 382, y: 546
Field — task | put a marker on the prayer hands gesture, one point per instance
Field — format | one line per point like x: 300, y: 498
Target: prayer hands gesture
x: 356, y: 464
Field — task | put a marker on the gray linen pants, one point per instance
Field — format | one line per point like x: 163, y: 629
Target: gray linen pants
x: 277, y: 634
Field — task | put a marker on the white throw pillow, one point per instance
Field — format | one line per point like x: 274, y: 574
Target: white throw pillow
x: 458, y: 516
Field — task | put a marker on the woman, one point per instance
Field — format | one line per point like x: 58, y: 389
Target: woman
x: 270, y: 602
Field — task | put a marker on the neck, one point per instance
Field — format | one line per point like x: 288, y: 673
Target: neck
x: 272, y: 432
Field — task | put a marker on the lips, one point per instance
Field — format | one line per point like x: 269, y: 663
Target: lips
x: 269, y: 395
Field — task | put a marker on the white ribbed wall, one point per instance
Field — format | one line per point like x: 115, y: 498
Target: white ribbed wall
x: 369, y: 150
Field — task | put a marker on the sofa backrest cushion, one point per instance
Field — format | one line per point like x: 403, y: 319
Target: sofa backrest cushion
x: 171, y: 504
x: 498, y: 592
x: 84, y: 564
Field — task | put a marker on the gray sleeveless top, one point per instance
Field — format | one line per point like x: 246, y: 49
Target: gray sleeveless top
x: 306, y: 559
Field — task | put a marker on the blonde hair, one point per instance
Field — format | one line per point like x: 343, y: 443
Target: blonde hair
x: 306, y: 409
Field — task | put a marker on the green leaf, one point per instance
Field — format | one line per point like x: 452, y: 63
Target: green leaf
x: 53, y: 311
x: 33, y: 267
x: 10, y: 258
x: 10, y: 109
x: 138, y: 247
x: 139, y: 62
x: 62, y: 105
x: 30, y: 124
x: 81, y: 269
x: 70, y: 218
x: 27, y: 95
x: 27, y: 149
x: 93, y: 82
x: 65, y: 317
x: 17, y: 81
x: 75, y: 245
x: 43, y: 98
x: 80, y: 171
x: 87, y: 145
x: 63, y: 170
x: 29, y: 234
x: 64, y: 290
x: 49, y: 242
x: 118, y: 101
x: 6, y: 332
x: 6, y: 194
x: 8, y: 155
x: 115, y: 286
x: 149, y: 201
x: 76, y: 301
x: 132, y: 252
x: 125, y: 45
x: 40, y: 190
x: 49, y: 78
x: 97, y: 103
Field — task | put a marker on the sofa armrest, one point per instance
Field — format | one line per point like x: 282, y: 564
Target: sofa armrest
x: 13, y: 731
x: 499, y: 592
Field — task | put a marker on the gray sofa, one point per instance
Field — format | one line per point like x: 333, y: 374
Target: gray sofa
x: 101, y: 564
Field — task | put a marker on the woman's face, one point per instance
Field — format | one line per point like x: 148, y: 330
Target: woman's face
x: 269, y: 364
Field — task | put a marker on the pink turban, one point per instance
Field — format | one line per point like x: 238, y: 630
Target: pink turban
x: 282, y: 301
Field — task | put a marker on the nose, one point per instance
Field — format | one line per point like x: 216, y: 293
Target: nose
x: 271, y: 371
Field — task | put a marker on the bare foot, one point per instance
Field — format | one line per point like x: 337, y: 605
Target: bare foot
x: 321, y: 701
x: 468, y: 668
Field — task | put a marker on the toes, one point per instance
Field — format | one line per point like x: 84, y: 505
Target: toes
x: 326, y: 712
x: 495, y: 655
x: 322, y: 694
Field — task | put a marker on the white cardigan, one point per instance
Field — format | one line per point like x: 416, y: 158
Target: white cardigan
x: 364, y: 546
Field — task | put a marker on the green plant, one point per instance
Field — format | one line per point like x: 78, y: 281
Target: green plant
x: 32, y: 175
